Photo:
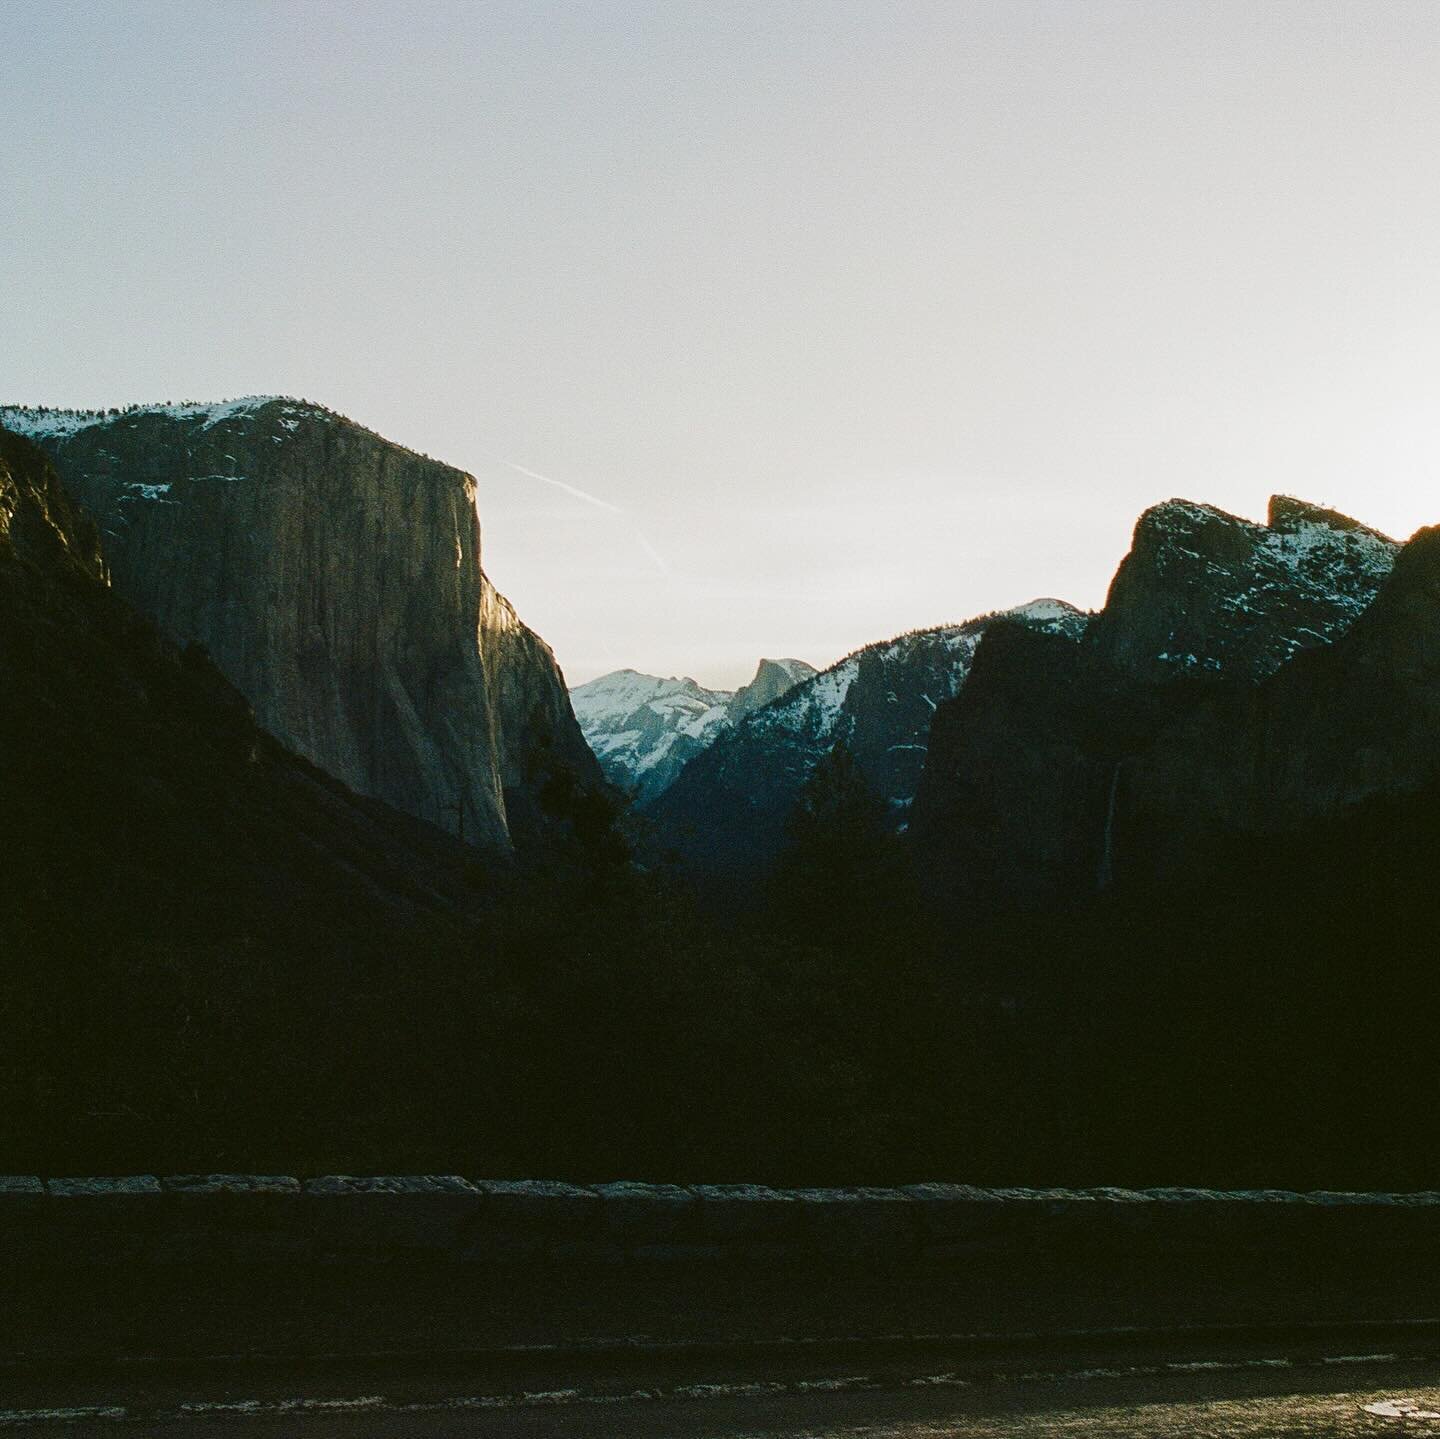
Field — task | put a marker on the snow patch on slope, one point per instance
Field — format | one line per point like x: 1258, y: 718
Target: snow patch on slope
x: 1271, y: 590
x: 138, y: 491
x: 614, y: 696
x: 645, y: 728
x: 44, y: 423
x: 814, y: 707
x: 36, y: 422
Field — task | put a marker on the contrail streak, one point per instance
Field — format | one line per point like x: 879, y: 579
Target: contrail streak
x: 558, y: 484
x: 654, y: 555
x: 659, y: 560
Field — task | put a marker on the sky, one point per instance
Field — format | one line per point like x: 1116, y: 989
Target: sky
x: 836, y: 317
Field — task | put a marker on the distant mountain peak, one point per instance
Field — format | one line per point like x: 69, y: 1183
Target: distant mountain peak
x: 645, y: 728
x: 728, y: 809
x: 772, y: 679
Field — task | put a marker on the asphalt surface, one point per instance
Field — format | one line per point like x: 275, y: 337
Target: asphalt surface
x: 1244, y: 1343
x: 188, y: 1310
x: 1331, y: 1383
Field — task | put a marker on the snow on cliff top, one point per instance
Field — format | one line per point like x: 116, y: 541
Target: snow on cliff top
x: 1050, y: 614
x: 1317, y: 544
x: 1295, y: 531
x: 33, y: 421
x: 1300, y: 579
x: 616, y: 696
x: 814, y: 705
x: 42, y: 423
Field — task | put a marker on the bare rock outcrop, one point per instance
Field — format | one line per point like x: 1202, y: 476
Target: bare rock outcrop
x: 335, y: 579
x: 1030, y: 792
x: 144, y: 811
x: 1356, y: 721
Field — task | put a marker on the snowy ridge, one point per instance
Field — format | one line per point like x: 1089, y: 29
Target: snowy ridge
x: 818, y: 705
x: 1323, y: 549
x: 813, y: 709
x: 645, y: 728
x: 729, y: 809
x: 614, y: 696
x: 633, y: 721
x: 37, y: 421
x: 57, y: 426
x: 1051, y: 615
x: 1247, y: 595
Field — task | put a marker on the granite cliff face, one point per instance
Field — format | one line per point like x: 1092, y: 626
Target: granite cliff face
x: 645, y: 729
x: 335, y: 579
x: 772, y: 679
x: 146, y: 814
x: 1028, y: 788
x: 1357, y: 721
x: 42, y: 531
x: 727, y: 811
x: 1204, y: 593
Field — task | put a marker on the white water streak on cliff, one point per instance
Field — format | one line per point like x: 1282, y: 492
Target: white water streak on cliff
x: 1107, y: 853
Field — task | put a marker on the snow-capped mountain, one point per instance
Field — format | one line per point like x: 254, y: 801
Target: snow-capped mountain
x: 645, y: 729
x: 729, y: 807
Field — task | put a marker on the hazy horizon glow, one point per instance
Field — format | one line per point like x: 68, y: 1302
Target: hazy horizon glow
x: 765, y: 330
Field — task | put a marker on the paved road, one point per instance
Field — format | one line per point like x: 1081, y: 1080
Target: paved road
x: 448, y: 1308
x: 1305, y: 1388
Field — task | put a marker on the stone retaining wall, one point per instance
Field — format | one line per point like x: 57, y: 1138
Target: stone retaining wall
x: 343, y: 1219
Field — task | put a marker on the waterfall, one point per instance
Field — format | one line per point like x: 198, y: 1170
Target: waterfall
x: 1106, y: 873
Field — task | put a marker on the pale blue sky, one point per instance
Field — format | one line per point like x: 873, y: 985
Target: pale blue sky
x: 864, y: 315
